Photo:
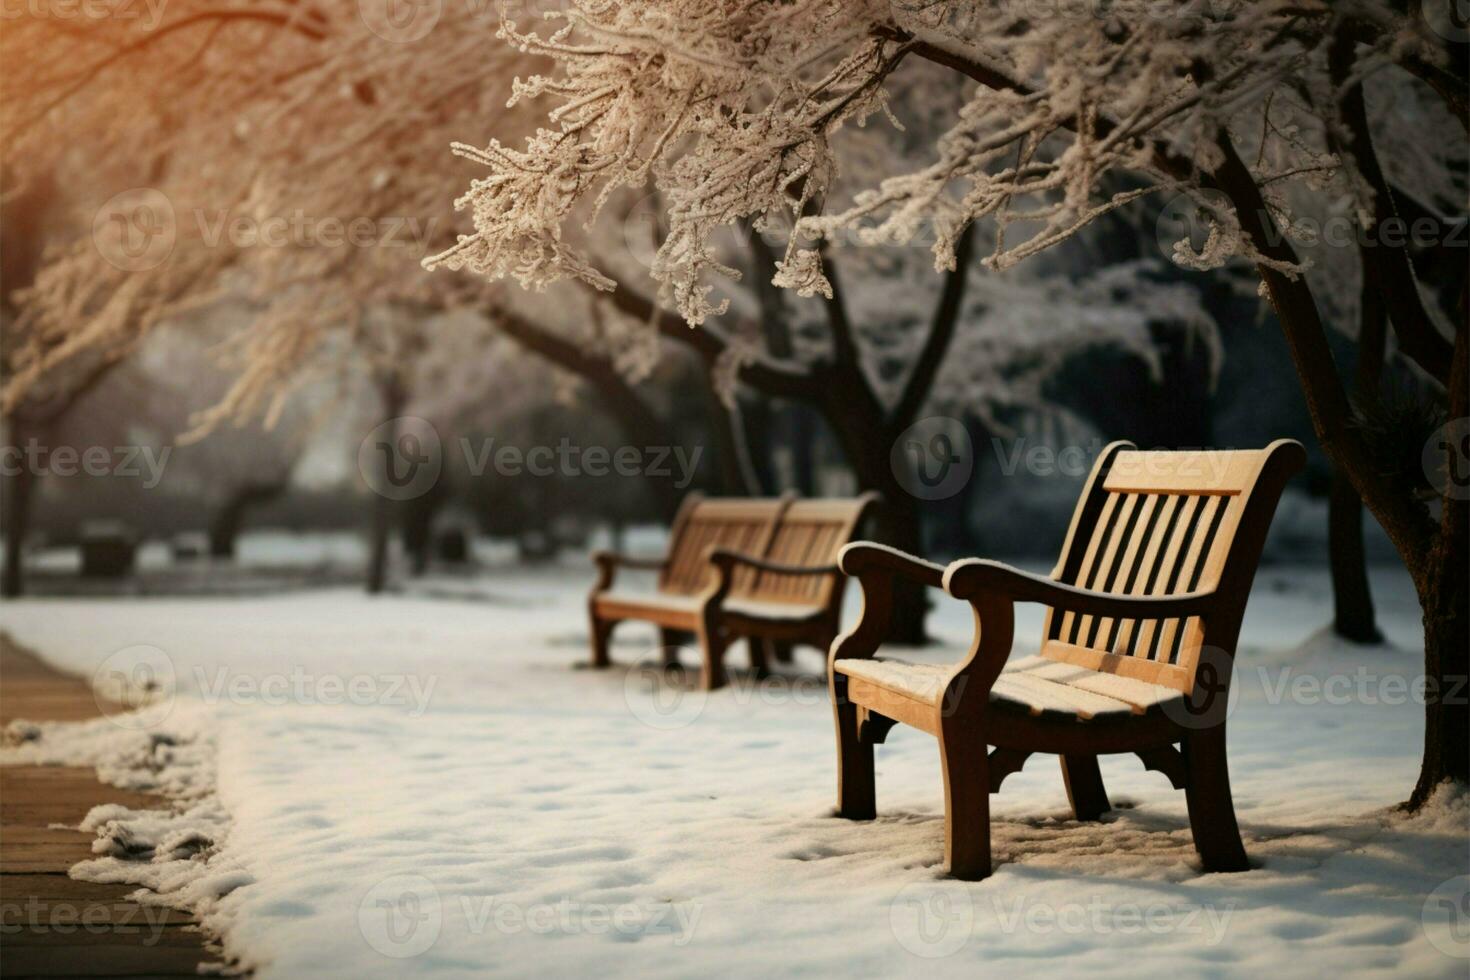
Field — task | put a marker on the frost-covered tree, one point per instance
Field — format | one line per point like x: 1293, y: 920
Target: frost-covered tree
x: 293, y: 167
x: 335, y: 121
x: 285, y: 164
x: 736, y: 113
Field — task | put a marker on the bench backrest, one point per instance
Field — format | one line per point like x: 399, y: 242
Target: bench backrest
x: 810, y: 532
x: 740, y: 524
x: 1166, y: 523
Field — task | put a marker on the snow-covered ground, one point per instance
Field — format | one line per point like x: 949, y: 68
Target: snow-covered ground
x: 423, y: 783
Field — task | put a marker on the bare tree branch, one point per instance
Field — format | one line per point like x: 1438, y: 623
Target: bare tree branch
x: 1417, y: 335
x: 941, y: 332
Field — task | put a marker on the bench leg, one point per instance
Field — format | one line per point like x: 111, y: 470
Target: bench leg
x: 1211, y: 809
x: 712, y: 644
x: 601, y: 636
x: 1084, y: 787
x: 759, y: 663
x: 782, y: 652
x: 963, y: 754
x: 856, y: 796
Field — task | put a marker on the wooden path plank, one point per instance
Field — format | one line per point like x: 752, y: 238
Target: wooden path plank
x: 50, y: 924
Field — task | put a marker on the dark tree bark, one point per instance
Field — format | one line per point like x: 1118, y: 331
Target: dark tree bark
x: 21, y: 220
x: 418, y: 526
x: 1352, y: 597
x: 802, y: 437
x: 1353, y: 617
x: 15, y: 515
x: 738, y: 477
x: 775, y: 422
x: 224, y: 529
x: 385, y: 509
x: 1436, y: 555
x: 761, y: 436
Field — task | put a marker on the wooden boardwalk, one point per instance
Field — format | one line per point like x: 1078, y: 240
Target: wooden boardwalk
x: 50, y: 925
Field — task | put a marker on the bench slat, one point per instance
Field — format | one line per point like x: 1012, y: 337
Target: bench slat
x: 1040, y: 695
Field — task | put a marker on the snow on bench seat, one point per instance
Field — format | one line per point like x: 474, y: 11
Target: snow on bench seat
x: 1142, y: 695
x: 1034, y: 684
x: 923, y: 682
x: 651, y: 600
x: 691, y: 604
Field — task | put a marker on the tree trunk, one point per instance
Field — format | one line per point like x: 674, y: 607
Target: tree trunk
x: 382, y: 529
x: 737, y: 475
x: 1437, y: 558
x: 384, y: 508
x: 225, y: 528
x: 1446, y: 664
x: 418, y: 527
x: 1352, y: 599
x: 1353, y: 617
x: 803, y: 434
x: 1444, y: 594
x: 761, y: 430
x: 896, y: 525
x: 15, y: 514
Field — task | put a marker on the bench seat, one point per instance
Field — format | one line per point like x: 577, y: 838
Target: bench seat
x: 663, y: 607
x: 1034, y: 685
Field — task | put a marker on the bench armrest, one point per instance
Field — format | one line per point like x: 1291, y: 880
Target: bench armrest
x: 869, y: 558
x: 608, y: 563
x: 875, y: 566
x: 972, y: 579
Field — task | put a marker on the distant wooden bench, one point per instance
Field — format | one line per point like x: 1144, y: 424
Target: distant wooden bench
x: 764, y: 570
x: 1143, y: 614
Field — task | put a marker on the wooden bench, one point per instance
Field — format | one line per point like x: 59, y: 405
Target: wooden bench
x: 764, y: 570
x: 1143, y: 613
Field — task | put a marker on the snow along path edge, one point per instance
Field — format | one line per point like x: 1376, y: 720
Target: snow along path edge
x: 175, y: 857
